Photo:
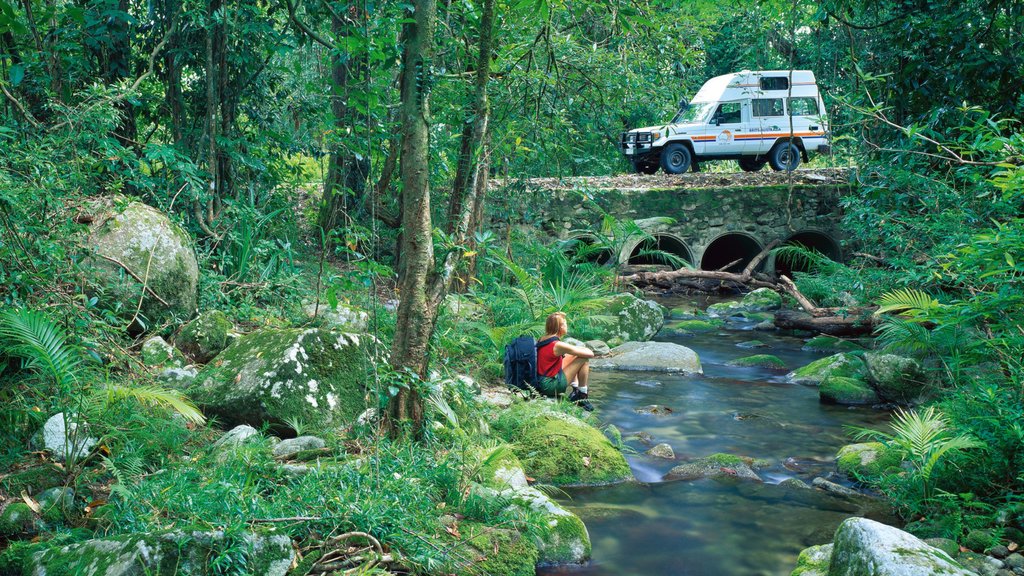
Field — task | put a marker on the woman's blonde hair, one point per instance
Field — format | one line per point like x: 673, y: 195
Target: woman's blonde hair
x: 554, y: 322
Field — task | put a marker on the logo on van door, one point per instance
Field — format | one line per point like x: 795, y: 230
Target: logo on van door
x: 724, y: 137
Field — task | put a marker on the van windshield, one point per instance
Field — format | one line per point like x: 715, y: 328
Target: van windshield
x: 695, y: 112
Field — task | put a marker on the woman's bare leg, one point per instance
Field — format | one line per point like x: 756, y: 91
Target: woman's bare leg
x: 576, y: 369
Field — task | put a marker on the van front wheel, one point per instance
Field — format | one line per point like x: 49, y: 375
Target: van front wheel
x: 784, y: 156
x: 676, y: 158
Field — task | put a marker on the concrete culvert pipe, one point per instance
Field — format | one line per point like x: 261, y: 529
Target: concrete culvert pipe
x: 642, y: 252
x: 815, y: 241
x: 726, y: 249
x: 584, y: 248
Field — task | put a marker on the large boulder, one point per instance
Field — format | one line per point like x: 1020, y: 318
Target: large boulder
x: 175, y: 552
x: 132, y: 242
x: 556, y: 448
x: 563, y: 538
x: 205, y: 336
x: 636, y: 320
x: 897, y: 379
x: 813, y: 561
x: 340, y: 317
x: 714, y: 466
x: 842, y: 364
x: 275, y: 376
x: 864, y: 547
x: 847, y: 391
x: 157, y: 353
x: 651, y: 357
x: 65, y: 437
x: 760, y: 300
x: 867, y: 459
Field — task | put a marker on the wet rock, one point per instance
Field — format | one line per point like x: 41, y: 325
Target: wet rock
x: 648, y: 383
x: 636, y: 320
x: 662, y: 451
x: 695, y: 326
x: 760, y: 300
x: 760, y: 361
x: 867, y: 459
x: 897, y: 379
x: 814, y: 561
x: 752, y: 344
x: 273, y: 376
x: 645, y: 438
x: 164, y: 554
x: 847, y: 391
x: 999, y: 551
x: 292, y: 446
x: 863, y: 547
x: 157, y: 353
x: 1014, y: 561
x: 842, y: 364
x: 64, y: 439
x: 795, y: 483
x: 837, y: 489
x: 599, y: 347
x: 655, y: 409
x: 766, y: 326
x: 205, y: 336
x: 650, y: 356
x: 831, y: 344
x: 153, y: 247
x: 714, y: 466
x: 948, y: 546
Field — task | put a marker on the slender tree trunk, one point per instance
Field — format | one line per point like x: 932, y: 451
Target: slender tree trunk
x: 415, y: 314
x: 119, y: 68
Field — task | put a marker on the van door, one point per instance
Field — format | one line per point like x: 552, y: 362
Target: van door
x: 807, y: 120
x: 725, y: 125
x: 771, y: 124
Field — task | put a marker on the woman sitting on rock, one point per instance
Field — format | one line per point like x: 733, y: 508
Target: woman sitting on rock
x: 559, y: 362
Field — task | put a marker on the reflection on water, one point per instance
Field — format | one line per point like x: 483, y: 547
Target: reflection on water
x: 712, y: 528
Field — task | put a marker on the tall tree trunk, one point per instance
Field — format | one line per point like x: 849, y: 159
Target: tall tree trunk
x: 118, y: 68
x: 346, y: 174
x: 416, y: 315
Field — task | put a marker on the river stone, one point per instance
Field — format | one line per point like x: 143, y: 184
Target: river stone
x: 650, y: 356
x: 599, y: 347
x: 556, y: 448
x: 175, y: 552
x: 293, y: 446
x: 157, y: 353
x: 979, y: 563
x: 830, y: 344
x: 274, y: 376
x: 842, y: 364
x: 847, y: 391
x: 897, y: 379
x: 655, y: 409
x: 17, y: 519
x: 867, y: 459
x: 205, y: 336
x: 489, y: 550
x: 714, y: 466
x: 760, y: 300
x: 813, y: 561
x: 662, y: 451
x: 695, y: 325
x: 142, y: 238
x: 864, y: 547
x: 636, y: 320
x: 760, y: 361
x: 62, y: 442
x: 752, y: 344
x: 343, y: 317
x: 795, y: 483
x: 1014, y: 561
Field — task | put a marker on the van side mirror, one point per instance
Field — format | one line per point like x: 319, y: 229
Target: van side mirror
x: 717, y: 120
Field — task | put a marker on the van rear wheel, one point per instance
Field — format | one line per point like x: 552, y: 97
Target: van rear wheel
x: 676, y: 158
x: 752, y: 163
x: 784, y: 156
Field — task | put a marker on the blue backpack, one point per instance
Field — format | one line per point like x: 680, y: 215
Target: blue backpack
x: 521, y: 362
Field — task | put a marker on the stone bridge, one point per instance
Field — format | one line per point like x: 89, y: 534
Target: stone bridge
x: 717, y: 218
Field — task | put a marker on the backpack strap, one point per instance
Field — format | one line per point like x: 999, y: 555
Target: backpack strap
x: 546, y: 341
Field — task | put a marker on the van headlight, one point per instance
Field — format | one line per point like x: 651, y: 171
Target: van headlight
x: 655, y: 135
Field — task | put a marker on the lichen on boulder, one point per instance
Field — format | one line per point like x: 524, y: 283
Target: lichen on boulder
x: 650, y: 356
x: 205, y: 336
x: 847, y: 391
x: 556, y: 448
x: 717, y: 466
x: 17, y: 519
x: 132, y: 235
x: 157, y: 353
x: 842, y: 364
x: 867, y: 459
x: 897, y: 379
x: 274, y: 376
x: 863, y: 547
x: 760, y: 361
x: 760, y: 300
x: 636, y: 320
x: 342, y: 316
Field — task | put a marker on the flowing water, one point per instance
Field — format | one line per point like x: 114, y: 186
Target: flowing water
x: 709, y: 527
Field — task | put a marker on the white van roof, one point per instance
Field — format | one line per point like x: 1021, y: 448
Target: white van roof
x: 748, y: 84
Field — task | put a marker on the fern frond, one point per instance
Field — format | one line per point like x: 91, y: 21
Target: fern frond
x: 801, y: 257
x: 907, y: 300
x: 41, y: 345
x: 437, y: 401
x: 148, y: 395
x: 902, y: 334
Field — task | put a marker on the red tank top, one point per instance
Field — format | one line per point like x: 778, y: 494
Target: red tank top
x: 547, y: 363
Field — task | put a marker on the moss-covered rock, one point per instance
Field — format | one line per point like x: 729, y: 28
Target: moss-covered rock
x: 864, y: 547
x: 714, y: 466
x: 847, y: 391
x: 950, y: 547
x: 489, y: 550
x: 205, y: 336
x: 500, y: 468
x: 842, y: 364
x: 697, y: 325
x: 560, y: 449
x: 760, y: 300
x: 831, y: 344
x: 56, y: 504
x: 760, y: 361
x: 157, y: 353
x: 813, y: 561
x: 867, y: 459
x: 33, y: 480
x: 171, y: 553
x: 315, y: 376
x: 636, y: 320
x: 342, y: 316
x: 145, y: 241
x: 980, y: 540
x: 17, y: 519
x: 752, y: 344
x: 897, y: 379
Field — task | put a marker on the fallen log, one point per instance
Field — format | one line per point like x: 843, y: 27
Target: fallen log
x: 831, y: 321
x: 745, y: 277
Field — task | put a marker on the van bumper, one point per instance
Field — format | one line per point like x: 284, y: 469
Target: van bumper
x: 825, y: 149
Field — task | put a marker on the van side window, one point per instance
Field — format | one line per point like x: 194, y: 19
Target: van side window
x: 803, y: 107
x: 728, y: 113
x: 768, y: 107
x: 774, y: 83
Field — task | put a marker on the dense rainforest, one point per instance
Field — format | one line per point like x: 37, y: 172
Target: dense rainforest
x: 259, y: 262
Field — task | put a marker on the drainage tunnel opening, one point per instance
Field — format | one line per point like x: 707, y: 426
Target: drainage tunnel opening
x: 728, y: 248
x: 584, y: 249
x: 815, y: 241
x: 650, y: 251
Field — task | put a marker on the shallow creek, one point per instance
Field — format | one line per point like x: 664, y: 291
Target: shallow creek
x: 707, y: 527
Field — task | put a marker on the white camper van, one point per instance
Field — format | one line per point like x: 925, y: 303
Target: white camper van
x: 772, y: 116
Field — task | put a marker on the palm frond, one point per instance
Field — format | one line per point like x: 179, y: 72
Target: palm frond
x: 801, y: 257
x: 907, y: 300
x: 149, y: 395
x: 437, y: 401
x: 40, y: 344
x: 902, y: 334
